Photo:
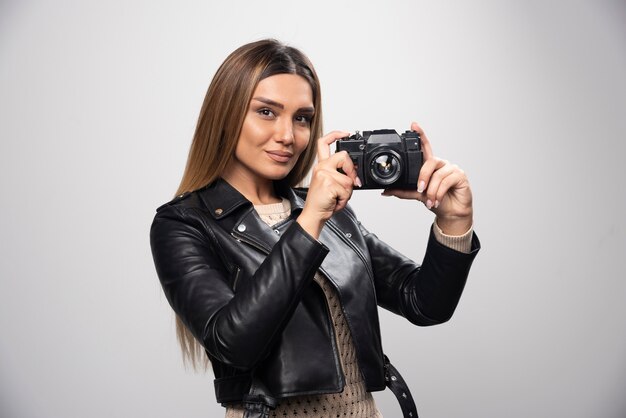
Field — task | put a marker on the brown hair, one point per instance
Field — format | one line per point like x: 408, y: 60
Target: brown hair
x: 219, y: 126
x: 227, y: 101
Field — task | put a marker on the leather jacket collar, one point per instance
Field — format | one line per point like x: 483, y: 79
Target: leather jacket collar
x: 222, y: 199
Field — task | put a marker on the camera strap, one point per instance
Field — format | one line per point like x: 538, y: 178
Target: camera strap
x: 397, y: 385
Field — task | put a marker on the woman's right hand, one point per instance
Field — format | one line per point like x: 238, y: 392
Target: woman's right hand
x: 330, y: 189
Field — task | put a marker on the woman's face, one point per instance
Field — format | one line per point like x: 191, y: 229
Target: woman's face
x: 276, y: 129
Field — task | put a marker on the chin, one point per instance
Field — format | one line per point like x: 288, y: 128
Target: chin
x: 278, y: 174
x: 278, y: 178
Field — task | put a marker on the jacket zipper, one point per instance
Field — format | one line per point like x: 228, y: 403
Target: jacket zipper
x: 367, y: 267
x: 334, y: 335
x: 354, y: 247
x: 236, y: 279
x: 250, y: 242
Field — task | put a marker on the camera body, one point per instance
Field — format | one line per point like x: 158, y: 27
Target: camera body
x: 383, y: 159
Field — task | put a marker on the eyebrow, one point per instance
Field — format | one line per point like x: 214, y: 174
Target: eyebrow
x: 271, y: 102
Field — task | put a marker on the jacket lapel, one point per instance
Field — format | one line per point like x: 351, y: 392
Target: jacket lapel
x: 236, y: 214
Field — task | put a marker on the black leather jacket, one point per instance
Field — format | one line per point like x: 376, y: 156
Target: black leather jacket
x: 246, y: 290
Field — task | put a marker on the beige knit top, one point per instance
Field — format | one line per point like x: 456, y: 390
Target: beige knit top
x: 354, y: 401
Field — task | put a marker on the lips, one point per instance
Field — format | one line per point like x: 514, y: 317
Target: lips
x: 280, y: 156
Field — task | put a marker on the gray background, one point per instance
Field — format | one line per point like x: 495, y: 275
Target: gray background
x: 98, y: 103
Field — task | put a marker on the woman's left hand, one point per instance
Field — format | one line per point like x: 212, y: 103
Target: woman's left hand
x: 444, y: 189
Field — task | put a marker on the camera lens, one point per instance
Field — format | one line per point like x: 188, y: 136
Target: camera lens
x: 385, y: 167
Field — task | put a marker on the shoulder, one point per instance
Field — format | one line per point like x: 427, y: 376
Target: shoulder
x: 185, y: 210
x: 179, y: 221
x: 180, y: 202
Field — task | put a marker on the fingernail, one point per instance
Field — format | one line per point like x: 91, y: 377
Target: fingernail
x: 420, y: 187
x: 436, y: 204
x: 357, y: 181
x: 429, y: 204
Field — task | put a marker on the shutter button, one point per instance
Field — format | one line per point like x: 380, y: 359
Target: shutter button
x: 241, y: 228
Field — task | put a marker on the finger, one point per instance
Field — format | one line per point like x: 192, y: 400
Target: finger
x: 347, y: 166
x: 341, y: 203
x: 435, y: 182
x: 341, y: 160
x: 337, y: 185
x: 427, y: 170
x: 323, y: 144
x: 404, y: 194
x: 426, y: 147
x: 447, y: 183
x: 343, y: 195
x: 330, y: 173
x: 326, y: 176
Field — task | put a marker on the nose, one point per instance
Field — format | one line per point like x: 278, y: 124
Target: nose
x: 284, y: 131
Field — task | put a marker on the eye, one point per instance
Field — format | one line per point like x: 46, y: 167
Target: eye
x: 303, y: 119
x: 265, y: 112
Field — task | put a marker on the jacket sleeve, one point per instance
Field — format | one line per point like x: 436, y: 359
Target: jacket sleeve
x: 238, y: 328
x: 425, y: 294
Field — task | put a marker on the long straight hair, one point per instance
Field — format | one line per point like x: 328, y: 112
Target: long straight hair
x: 219, y: 126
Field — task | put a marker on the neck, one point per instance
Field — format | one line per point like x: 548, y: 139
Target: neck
x: 256, y: 191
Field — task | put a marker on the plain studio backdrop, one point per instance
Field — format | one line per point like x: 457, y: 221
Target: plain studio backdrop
x: 98, y: 104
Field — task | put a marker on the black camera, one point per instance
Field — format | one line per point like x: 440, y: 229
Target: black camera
x: 383, y: 159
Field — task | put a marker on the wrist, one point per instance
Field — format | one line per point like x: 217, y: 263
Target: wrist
x: 455, y: 225
x: 311, y: 224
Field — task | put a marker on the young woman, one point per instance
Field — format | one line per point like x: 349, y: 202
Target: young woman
x: 280, y: 286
